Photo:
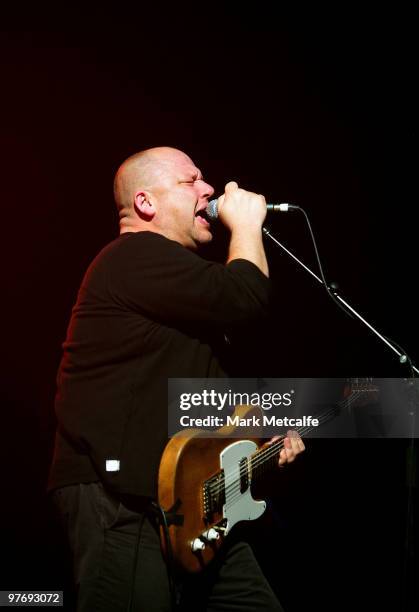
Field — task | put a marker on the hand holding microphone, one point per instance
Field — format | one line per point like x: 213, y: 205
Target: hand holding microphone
x: 243, y: 213
x: 238, y: 208
x: 212, y: 208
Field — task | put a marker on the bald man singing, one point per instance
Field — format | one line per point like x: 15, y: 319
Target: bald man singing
x: 148, y: 309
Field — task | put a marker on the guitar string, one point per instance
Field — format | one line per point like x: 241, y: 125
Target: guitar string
x: 266, y: 454
x: 303, y: 430
x: 269, y: 453
x: 261, y: 457
x: 323, y: 417
x: 234, y: 485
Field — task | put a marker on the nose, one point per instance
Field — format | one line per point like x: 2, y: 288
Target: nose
x: 207, y: 190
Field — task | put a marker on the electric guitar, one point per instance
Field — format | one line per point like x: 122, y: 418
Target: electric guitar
x: 205, y: 483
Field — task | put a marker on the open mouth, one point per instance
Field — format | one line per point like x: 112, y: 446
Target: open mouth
x: 202, y: 217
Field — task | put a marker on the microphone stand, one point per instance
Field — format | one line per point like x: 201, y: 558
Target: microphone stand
x: 402, y: 357
x: 408, y: 594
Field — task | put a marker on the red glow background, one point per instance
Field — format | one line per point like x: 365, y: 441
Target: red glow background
x: 316, y: 111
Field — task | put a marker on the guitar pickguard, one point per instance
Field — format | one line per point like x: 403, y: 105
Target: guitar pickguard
x: 239, y: 504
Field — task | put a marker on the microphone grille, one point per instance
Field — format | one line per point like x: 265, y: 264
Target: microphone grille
x: 212, y: 209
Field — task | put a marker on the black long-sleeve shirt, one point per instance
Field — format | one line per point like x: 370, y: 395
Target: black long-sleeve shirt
x: 148, y: 309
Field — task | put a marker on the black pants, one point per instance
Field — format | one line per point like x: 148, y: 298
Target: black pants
x: 103, y: 534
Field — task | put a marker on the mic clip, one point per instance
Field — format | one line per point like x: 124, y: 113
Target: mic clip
x: 333, y: 287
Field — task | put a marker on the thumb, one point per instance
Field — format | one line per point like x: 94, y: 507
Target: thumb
x: 231, y: 187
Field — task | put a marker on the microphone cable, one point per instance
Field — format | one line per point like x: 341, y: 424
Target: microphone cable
x: 135, y: 564
x: 169, y: 553
x: 329, y: 288
x: 161, y: 516
x: 404, y: 358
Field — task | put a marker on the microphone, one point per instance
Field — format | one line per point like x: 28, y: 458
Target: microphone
x: 212, y: 208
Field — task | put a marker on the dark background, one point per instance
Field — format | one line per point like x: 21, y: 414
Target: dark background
x: 316, y: 109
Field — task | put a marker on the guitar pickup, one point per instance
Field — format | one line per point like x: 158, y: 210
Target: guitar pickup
x: 244, y: 475
x: 214, y: 495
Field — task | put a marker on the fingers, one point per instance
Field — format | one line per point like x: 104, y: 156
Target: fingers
x: 287, y: 455
x: 230, y: 187
x: 239, y: 209
x: 296, y: 442
x: 293, y: 446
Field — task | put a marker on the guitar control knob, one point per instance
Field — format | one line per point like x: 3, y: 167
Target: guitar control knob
x: 211, y: 535
x: 197, y: 545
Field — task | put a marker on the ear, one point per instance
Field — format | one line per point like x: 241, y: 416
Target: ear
x: 143, y: 205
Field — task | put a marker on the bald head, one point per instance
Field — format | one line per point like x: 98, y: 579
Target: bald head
x: 143, y: 170
x: 161, y: 190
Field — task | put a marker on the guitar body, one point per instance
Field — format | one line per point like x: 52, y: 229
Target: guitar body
x: 204, y: 486
x: 205, y: 482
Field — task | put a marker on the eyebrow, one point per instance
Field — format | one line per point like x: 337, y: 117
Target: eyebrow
x: 195, y: 175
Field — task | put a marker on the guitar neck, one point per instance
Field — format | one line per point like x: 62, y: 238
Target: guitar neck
x: 267, y: 457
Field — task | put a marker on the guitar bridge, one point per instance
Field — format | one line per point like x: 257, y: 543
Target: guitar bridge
x: 214, y: 495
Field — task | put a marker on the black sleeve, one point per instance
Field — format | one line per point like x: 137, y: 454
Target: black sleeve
x: 167, y: 282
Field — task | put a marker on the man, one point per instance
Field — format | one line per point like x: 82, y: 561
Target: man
x: 148, y: 309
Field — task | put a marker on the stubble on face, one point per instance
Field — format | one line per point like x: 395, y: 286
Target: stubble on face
x: 182, y: 196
